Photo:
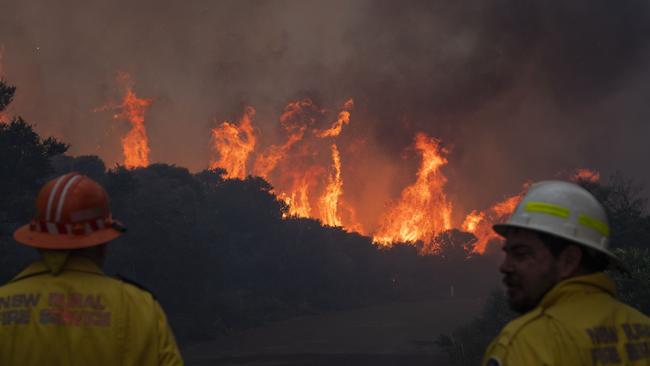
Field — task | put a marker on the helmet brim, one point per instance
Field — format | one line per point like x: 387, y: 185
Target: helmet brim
x: 28, y: 237
x: 615, y: 262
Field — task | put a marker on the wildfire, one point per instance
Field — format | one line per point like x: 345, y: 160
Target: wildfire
x: 423, y: 209
x: 342, y: 120
x: 135, y: 144
x: 472, y: 221
x: 265, y: 163
x: 233, y: 144
x: 298, y: 197
x: 296, y: 170
x: 586, y: 175
x: 329, y: 202
x: 480, y: 223
x: 295, y: 118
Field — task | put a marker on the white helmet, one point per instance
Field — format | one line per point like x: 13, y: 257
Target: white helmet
x: 565, y: 210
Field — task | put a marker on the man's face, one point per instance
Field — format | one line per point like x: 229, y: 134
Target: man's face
x: 529, y: 269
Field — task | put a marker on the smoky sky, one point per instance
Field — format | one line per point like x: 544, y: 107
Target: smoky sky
x: 515, y: 90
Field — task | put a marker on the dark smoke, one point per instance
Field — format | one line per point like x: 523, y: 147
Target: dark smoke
x: 516, y: 89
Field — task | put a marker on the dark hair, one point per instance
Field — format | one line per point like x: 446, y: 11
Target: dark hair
x: 592, y: 260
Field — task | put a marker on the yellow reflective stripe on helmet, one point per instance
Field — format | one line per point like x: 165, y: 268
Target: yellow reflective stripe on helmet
x: 595, y: 224
x: 547, y: 208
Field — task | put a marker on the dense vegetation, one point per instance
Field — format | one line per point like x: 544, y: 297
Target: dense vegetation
x: 217, y: 252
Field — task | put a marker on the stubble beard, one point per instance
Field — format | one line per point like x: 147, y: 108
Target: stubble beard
x: 533, y: 296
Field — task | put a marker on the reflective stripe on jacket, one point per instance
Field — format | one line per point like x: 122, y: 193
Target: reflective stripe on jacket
x: 578, y: 322
x: 81, y: 317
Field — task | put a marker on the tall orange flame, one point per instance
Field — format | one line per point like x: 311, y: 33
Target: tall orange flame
x: 135, y: 144
x: 233, y: 144
x: 329, y: 201
x: 423, y: 209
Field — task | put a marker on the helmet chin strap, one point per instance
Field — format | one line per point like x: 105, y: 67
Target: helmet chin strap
x: 54, y: 260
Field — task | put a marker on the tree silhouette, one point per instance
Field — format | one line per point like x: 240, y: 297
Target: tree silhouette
x: 6, y: 94
x: 24, y: 167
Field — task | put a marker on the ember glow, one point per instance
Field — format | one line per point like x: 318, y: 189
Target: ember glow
x: 135, y: 145
x: 232, y: 145
x: 587, y: 175
x: 480, y: 223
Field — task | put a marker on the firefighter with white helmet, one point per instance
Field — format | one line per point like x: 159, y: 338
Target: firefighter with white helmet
x: 556, y: 250
x: 62, y: 309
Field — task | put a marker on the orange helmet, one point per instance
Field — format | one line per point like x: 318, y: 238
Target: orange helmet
x: 72, y: 212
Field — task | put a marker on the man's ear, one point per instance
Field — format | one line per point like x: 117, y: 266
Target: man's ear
x: 569, y: 261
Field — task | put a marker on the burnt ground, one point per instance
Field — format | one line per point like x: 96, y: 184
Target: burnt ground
x: 393, y: 334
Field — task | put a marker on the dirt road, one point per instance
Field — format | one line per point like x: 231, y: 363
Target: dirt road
x: 394, y: 334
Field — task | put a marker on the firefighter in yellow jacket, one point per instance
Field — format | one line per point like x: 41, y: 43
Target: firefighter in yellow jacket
x: 556, y: 250
x: 62, y: 310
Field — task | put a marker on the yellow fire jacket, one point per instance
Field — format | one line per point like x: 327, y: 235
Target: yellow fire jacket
x: 578, y: 322
x: 81, y: 317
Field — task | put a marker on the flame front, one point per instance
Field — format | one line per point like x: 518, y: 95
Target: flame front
x: 423, y: 209
x: 135, y: 144
x: 296, y: 170
x: 233, y: 144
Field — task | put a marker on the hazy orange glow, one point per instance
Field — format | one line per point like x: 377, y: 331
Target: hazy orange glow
x: 588, y: 175
x: 135, y: 144
x: 3, y: 118
x: 265, y: 163
x: 295, y: 119
x: 233, y: 144
x: 423, y: 209
x: 349, y: 218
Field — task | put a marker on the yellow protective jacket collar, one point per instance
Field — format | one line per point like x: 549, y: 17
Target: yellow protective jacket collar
x: 578, y: 286
x: 578, y: 322
x: 73, y: 263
